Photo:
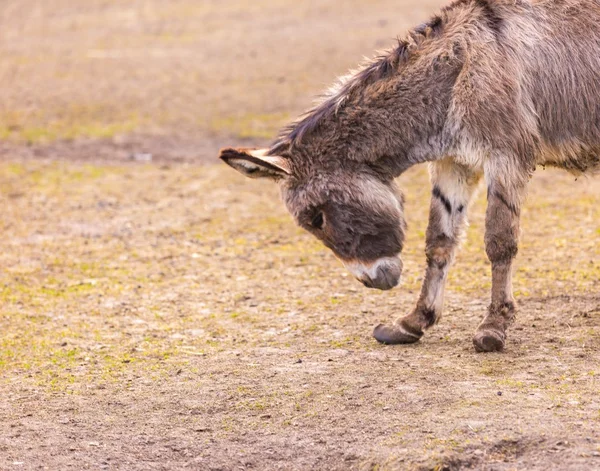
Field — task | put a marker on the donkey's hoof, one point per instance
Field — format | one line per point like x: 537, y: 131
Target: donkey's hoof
x: 488, y: 341
x: 394, y: 334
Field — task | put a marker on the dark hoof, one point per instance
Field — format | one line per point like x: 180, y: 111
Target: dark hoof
x: 488, y: 341
x: 394, y: 334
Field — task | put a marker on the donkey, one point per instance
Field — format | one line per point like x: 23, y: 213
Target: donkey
x: 486, y: 88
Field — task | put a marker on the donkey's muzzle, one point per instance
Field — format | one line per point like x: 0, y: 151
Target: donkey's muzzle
x: 382, y: 274
x: 387, y: 276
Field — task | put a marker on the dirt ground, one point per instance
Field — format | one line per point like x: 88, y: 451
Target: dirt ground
x: 168, y: 314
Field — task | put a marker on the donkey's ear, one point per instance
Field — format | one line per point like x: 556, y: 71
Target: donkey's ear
x: 254, y: 163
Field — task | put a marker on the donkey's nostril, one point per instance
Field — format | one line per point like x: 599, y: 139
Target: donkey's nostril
x: 368, y: 283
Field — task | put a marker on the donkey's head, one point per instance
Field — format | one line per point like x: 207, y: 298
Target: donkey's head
x: 353, y: 209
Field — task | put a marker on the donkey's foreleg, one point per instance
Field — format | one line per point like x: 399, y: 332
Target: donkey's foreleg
x: 501, y: 245
x: 453, y: 187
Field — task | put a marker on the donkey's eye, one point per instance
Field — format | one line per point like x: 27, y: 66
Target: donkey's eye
x: 317, y: 221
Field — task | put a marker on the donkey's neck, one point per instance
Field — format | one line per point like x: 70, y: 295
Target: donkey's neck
x: 392, y: 122
x: 391, y: 130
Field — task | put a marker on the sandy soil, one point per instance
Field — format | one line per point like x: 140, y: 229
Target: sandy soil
x: 169, y: 315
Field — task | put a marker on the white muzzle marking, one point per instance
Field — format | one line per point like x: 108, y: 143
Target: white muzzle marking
x: 383, y: 273
x: 362, y: 270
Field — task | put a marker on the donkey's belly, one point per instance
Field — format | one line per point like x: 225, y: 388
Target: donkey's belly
x: 576, y: 159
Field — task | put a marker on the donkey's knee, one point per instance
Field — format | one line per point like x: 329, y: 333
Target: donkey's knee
x: 501, y: 226
x: 439, y: 251
x: 501, y: 243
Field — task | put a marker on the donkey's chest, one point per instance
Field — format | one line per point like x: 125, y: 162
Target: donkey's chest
x: 471, y: 157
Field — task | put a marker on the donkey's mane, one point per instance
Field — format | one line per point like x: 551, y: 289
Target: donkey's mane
x: 380, y: 67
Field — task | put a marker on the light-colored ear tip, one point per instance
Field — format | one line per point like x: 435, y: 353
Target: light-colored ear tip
x: 260, y: 153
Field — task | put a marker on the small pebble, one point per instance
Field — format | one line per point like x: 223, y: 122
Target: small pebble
x: 141, y: 157
x: 499, y: 393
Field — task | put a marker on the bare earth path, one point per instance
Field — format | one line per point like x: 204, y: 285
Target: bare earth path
x: 169, y: 315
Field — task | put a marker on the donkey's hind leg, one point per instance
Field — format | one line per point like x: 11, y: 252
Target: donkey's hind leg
x: 453, y: 187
